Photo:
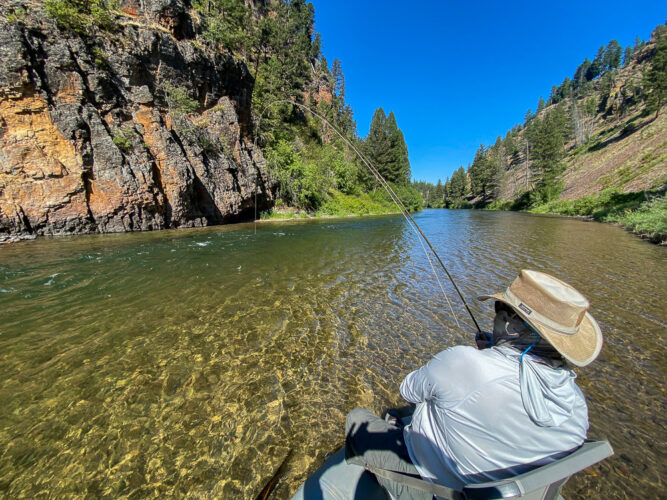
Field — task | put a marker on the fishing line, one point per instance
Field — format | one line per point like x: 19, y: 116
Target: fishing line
x: 394, y: 197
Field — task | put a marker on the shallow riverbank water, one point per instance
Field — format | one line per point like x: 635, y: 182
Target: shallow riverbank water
x: 193, y: 362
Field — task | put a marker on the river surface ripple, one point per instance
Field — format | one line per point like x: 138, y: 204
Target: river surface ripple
x: 191, y: 363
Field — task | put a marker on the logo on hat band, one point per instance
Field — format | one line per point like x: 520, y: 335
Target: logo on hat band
x: 525, y: 309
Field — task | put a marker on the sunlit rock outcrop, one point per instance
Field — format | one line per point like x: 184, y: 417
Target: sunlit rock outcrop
x: 90, y: 140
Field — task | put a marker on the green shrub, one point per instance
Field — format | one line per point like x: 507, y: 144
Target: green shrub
x: 629, y: 128
x: 80, y: 16
x: 408, y: 195
x: 637, y: 211
x: 459, y: 204
x: 650, y: 219
x: 16, y: 15
x: 225, y: 23
x: 100, y: 58
x: 340, y: 204
x: 304, y: 184
x: 500, y: 205
x: 67, y: 15
x: 123, y: 139
x: 179, y: 100
x: 546, y: 193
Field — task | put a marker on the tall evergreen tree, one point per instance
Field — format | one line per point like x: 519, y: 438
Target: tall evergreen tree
x: 597, y: 66
x: 498, y: 161
x: 458, y: 185
x: 226, y: 23
x: 399, y: 151
x: 655, y: 80
x: 527, y: 118
x: 612, y: 55
x: 446, y: 195
x: 580, y: 75
x: 548, y: 139
x: 480, y: 173
x: 439, y: 194
x: 324, y: 67
x: 639, y: 44
x: 606, y: 86
x: 627, y: 55
x: 378, y: 142
x: 285, y: 48
x: 386, y: 148
x: 339, y: 78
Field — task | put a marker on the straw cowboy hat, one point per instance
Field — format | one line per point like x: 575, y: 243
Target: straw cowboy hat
x: 557, y: 311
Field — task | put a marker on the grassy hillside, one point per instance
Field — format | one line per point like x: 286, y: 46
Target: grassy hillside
x: 626, y: 150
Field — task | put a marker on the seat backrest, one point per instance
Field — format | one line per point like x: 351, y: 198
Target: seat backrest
x: 543, y: 483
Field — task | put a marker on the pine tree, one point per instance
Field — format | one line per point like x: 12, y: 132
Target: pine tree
x: 612, y: 55
x: 498, y: 163
x: 378, y: 142
x: 439, y: 194
x: 547, y: 149
x: 511, y: 146
x: 627, y: 55
x: 386, y: 148
x: 339, y: 78
x: 597, y: 66
x: 458, y: 184
x: 639, y: 44
x: 398, y: 168
x: 285, y: 48
x: 553, y: 95
x: 480, y: 173
x: 540, y: 105
x: 527, y: 118
x: 606, y: 86
x: 324, y: 67
x: 655, y: 79
x: 226, y: 24
x: 580, y: 75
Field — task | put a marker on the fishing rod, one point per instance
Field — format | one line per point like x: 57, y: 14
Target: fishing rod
x: 392, y: 194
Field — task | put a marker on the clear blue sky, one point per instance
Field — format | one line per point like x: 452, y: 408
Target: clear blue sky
x: 458, y: 74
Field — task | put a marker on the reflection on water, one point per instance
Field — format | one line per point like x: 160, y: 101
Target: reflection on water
x: 192, y: 362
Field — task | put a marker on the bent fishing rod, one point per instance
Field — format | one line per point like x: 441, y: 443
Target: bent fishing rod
x: 392, y: 194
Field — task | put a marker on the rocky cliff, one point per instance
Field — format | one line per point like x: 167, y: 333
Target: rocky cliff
x: 135, y: 128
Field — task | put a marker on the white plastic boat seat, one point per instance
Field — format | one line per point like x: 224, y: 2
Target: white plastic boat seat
x: 337, y: 480
x: 543, y: 483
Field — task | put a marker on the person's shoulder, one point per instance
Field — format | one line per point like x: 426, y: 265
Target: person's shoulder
x: 459, y: 351
x: 459, y: 357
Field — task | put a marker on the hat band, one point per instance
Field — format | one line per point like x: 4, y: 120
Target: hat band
x: 538, y: 318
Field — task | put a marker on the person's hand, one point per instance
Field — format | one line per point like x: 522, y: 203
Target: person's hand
x: 483, y: 340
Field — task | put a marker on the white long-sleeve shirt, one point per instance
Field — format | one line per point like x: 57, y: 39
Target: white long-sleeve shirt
x: 479, y: 418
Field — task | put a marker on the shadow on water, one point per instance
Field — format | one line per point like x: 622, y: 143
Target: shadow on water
x: 191, y: 362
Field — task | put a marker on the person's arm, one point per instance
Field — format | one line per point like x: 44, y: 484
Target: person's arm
x: 418, y: 386
x: 443, y: 377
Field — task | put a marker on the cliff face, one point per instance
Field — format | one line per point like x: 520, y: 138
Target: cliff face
x: 90, y: 140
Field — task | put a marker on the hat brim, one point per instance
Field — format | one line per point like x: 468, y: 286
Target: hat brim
x: 580, y: 348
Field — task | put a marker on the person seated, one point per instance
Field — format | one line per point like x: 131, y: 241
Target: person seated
x: 495, y: 411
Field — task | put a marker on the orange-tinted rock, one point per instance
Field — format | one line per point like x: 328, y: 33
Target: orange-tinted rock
x: 88, y: 142
x: 41, y: 177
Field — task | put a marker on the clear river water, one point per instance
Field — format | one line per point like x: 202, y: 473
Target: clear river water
x: 193, y: 363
